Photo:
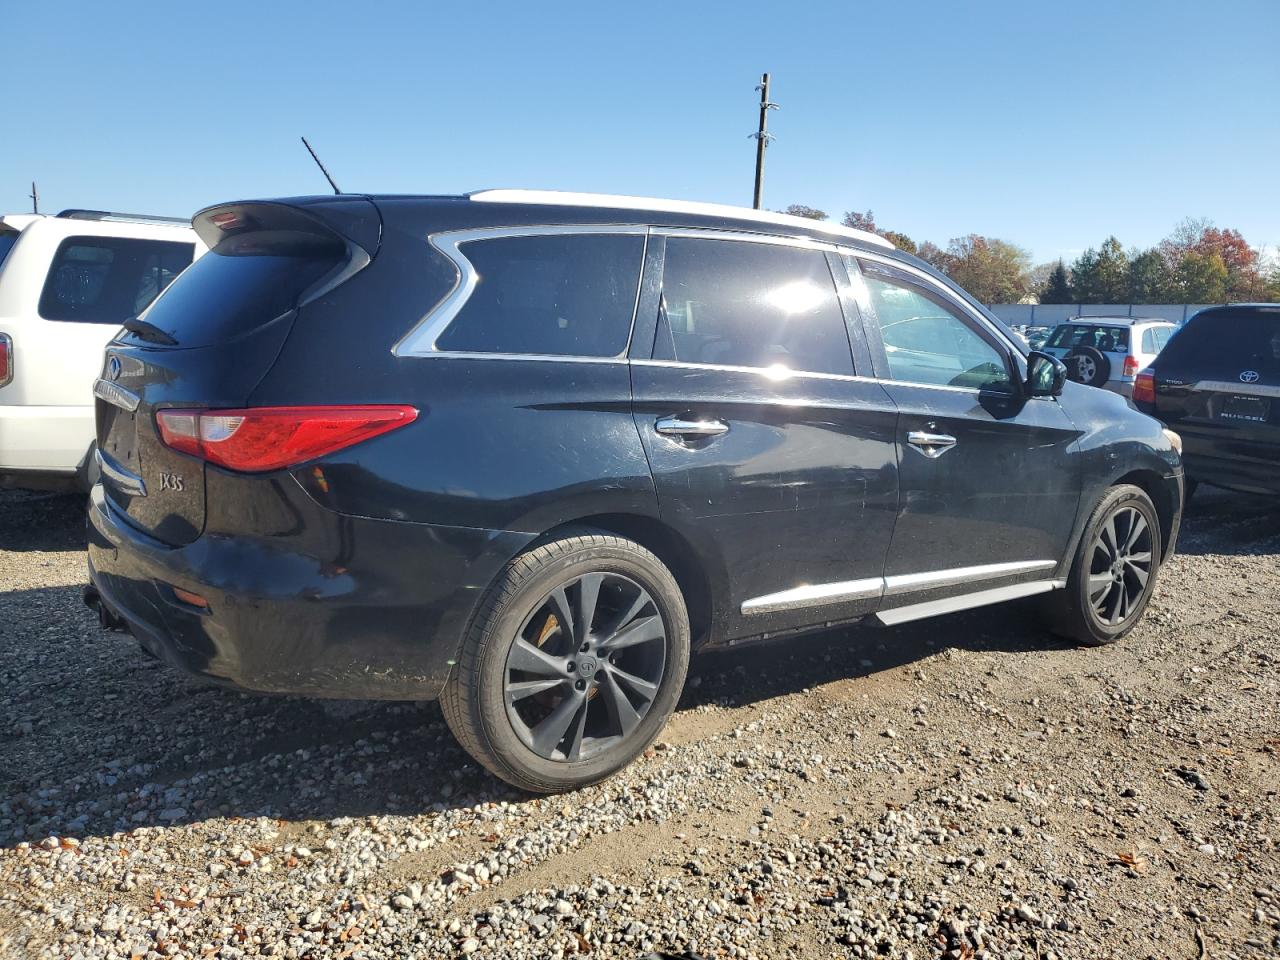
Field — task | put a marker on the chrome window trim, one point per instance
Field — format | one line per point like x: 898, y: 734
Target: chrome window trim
x: 116, y: 395
x: 421, y: 339
x: 811, y: 595
x: 779, y: 374
x: 742, y: 236
x: 938, y: 288
x: 1239, y: 388
x: 543, y: 357
x: 817, y: 594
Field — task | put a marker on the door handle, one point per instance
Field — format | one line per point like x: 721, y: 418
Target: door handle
x: 932, y: 445
x: 680, y: 427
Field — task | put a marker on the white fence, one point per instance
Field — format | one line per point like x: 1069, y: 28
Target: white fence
x: 1052, y: 314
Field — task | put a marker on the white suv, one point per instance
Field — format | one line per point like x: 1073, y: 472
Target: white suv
x: 67, y: 283
x: 1108, y: 352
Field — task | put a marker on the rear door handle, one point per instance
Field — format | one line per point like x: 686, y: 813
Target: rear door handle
x: 932, y: 445
x: 680, y: 427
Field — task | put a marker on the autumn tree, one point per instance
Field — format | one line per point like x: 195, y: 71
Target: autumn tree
x: 809, y: 213
x: 1057, y: 287
x: 900, y: 240
x: 861, y: 221
x: 992, y: 270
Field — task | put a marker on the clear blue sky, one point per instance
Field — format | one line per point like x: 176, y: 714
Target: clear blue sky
x: 1047, y: 124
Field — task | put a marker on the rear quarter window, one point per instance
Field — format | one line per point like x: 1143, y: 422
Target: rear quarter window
x: 109, y: 279
x: 560, y: 295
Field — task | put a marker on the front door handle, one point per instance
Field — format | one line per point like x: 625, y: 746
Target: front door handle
x: 680, y: 427
x: 932, y: 445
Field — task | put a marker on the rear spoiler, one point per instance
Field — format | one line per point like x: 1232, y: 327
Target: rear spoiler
x: 352, y: 219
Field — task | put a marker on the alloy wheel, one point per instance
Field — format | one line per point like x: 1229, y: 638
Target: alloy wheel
x: 1120, y: 566
x: 1085, y: 368
x: 585, y: 667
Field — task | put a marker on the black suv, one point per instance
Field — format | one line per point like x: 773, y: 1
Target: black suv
x: 524, y: 452
x: 1218, y: 383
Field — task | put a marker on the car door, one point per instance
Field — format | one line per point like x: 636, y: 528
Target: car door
x: 769, y: 454
x: 989, y: 484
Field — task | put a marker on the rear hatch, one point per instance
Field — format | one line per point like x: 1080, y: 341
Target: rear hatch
x: 1217, y: 382
x: 210, y: 338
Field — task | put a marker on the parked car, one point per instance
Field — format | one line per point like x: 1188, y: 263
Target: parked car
x: 1036, y: 336
x: 1108, y: 352
x: 1218, y: 382
x: 67, y: 283
x: 526, y: 451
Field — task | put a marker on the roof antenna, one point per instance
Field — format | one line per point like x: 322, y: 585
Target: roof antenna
x: 35, y: 198
x: 321, y: 166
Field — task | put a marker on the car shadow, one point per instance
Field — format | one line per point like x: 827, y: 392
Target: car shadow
x: 1224, y: 522
x: 36, y: 521
x: 96, y: 737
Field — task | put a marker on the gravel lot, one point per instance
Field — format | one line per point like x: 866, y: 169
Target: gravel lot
x: 966, y: 787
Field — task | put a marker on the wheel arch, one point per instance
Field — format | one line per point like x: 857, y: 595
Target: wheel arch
x: 694, y: 571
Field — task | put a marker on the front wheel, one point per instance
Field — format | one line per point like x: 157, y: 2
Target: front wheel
x: 573, y: 664
x: 1114, y: 570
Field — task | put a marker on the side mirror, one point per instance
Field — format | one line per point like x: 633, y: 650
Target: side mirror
x: 1046, y: 375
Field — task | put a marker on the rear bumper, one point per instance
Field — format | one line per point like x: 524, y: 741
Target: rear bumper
x: 1123, y: 387
x: 44, y: 440
x: 365, y: 609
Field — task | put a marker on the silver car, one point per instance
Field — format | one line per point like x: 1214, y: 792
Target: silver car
x: 1108, y: 352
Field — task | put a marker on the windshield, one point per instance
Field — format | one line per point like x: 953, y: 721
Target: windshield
x: 1237, y: 339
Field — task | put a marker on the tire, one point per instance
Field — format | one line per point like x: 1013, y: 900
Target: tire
x: 1088, y: 365
x: 1072, y: 612
x: 519, y: 624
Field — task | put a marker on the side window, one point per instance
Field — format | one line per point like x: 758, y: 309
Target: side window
x: 109, y: 279
x: 925, y: 338
x: 738, y: 303
x: 560, y: 294
x: 1149, y: 341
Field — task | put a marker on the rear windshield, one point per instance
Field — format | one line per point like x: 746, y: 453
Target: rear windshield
x: 242, y: 284
x: 1105, y: 338
x: 1247, y: 340
x: 109, y: 279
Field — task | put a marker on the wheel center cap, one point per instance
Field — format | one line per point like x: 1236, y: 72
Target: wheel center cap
x: 587, y: 667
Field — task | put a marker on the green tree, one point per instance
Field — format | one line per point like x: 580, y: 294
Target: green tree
x: 1202, y: 278
x: 1102, y: 275
x: 809, y: 213
x: 1057, y: 289
x: 1150, y: 279
x: 992, y: 270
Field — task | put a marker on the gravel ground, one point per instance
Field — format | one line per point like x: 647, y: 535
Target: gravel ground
x: 966, y: 787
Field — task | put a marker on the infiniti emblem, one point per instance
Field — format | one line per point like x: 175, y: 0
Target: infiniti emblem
x: 113, y: 368
x: 1249, y: 376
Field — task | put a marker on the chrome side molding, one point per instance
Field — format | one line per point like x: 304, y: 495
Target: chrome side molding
x: 812, y: 595
x: 967, y: 601
x: 817, y: 594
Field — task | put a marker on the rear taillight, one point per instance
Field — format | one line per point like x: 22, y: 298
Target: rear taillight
x: 1130, y: 366
x: 6, y: 359
x: 258, y: 439
x: 1144, y: 388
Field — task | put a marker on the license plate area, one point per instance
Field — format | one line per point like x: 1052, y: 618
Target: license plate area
x: 1240, y: 409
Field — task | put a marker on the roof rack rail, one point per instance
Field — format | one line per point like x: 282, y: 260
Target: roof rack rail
x: 121, y: 217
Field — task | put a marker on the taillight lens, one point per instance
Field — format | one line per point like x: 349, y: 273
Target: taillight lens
x: 6, y: 359
x: 1144, y: 388
x: 258, y: 439
x: 1130, y: 366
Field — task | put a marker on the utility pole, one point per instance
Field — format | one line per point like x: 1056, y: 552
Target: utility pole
x: 762, y: 137
x: 35, y: 198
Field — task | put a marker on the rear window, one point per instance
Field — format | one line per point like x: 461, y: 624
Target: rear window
x: 563, y: 295
x: 109, y: 279
x: 1247, y: 340
x: 7, y: 240
x: 243, y: 283
x: 1105, y: 338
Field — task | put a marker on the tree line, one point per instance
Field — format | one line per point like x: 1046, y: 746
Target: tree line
x: 1197, y: 263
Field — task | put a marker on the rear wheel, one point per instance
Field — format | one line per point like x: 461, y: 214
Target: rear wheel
x: 1114, y: 570
x: 573, y: 664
